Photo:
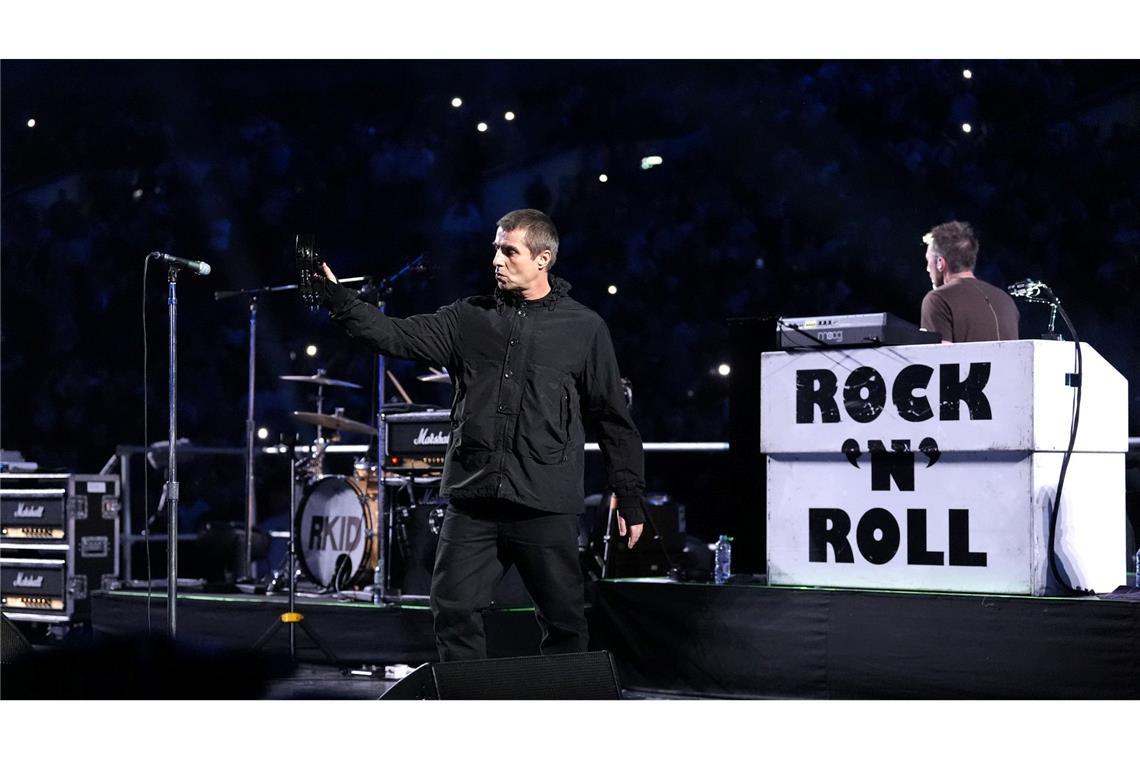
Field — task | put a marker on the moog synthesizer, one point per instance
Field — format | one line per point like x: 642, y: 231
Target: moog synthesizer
x: 851, y: 330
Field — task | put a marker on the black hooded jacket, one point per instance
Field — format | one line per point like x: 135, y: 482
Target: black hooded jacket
x: 530, y: 378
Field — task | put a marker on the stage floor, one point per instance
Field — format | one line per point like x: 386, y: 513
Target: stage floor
x: 668, y: 639
x: 355, y: 632
x: 759, y: 641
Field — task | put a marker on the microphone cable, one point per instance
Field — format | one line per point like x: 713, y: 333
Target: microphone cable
x: 1076, y: 380
x: 982, y: 293
x: 1036, y: 291
x: 146, y: 464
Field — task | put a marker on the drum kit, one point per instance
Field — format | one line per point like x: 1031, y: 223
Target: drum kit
x: 339, y: 522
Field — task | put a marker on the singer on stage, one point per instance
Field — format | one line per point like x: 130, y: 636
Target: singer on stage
x: 533, y: 370
x: 961, y: 307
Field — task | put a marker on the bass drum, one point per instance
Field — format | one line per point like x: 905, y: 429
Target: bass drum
x: 338, y: 533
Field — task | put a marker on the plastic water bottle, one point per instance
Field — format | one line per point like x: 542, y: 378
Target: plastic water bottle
x: 722, y: 568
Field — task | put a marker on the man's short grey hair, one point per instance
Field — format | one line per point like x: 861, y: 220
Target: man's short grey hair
x: 540, y: 234
x: 955, y: 242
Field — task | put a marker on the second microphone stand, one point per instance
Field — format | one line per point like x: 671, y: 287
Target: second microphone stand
x: 292, y: 618
x: 254, y: 294
x: 172, y: 469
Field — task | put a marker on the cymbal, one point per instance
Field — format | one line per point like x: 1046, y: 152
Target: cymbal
x: 319, y: 379
x: 335, y: 423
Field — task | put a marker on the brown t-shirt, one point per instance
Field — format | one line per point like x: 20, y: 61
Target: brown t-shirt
x: 970, y: 310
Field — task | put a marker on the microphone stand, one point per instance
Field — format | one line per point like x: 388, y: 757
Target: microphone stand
x: 1035, y: 291
x: 250, y: 503
x: 253, y: 295
x: 172, y: 470
x: 379, y: 587
x: 291, y: 617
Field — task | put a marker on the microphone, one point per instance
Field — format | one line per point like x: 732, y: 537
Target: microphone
x: 197, y: 267
x: 1031, y: 289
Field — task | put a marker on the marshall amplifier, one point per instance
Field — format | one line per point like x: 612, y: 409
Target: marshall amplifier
x: 416, y: 440
x: 59, y: 540
x: 36, y: 586
x: 35, y: 509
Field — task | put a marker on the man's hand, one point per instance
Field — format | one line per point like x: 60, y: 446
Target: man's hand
x: 328, y: 272
x: 633, y: 530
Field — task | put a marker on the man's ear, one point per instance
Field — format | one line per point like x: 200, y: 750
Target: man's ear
x: 544, y: 259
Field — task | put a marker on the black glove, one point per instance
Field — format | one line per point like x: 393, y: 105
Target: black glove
x: 631, y: 509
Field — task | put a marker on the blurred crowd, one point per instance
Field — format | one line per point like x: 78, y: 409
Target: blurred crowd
x: 788, y: 188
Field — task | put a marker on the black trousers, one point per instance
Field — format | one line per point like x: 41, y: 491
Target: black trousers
x: 478, y: 543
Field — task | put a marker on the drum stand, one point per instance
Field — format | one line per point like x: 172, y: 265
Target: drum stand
x: 396, y: 534
x: 292, y: 619
x: 611, y: 520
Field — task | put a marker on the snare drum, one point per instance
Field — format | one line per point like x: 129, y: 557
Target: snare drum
x: 366, y: 474
x: 338, y: 536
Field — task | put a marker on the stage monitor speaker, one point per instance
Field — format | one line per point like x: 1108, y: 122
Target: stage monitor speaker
x: 586, y: 675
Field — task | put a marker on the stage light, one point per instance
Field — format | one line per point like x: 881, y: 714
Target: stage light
x: 311, y: 350
x: 456, y: 102
x: 481, y: 126
x: 31, y: 123
x: 967, y: 128
x: 927, y: 239
x: 603, y: 178
x: 138, y: 193
x: 967, y: 74
x: 723, y: 370
x: 650, y: 161
x: 612, y: 290
x: 509, y: 116
x: 263, y: 433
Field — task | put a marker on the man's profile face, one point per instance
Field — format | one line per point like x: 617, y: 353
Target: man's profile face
x: 516, y: 269
x: 937, y: 277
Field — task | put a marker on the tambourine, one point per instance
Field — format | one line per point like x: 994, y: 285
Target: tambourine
x: 308, y: 269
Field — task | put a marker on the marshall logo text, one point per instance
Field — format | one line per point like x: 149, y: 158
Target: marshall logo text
x: 23, y: 580
x: 29, y: 511
x: 426, y: 438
